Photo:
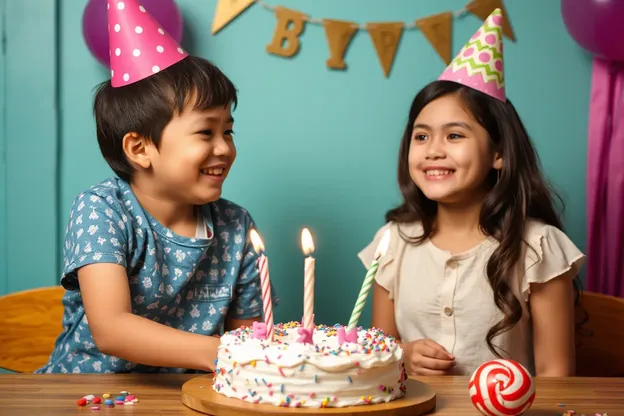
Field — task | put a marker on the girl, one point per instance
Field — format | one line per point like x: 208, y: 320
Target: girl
x: 478, y: 266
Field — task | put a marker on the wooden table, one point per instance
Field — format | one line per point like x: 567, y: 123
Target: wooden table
x: 29, y: 394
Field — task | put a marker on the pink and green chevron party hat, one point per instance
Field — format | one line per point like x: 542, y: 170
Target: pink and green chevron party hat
x: 479, y: 64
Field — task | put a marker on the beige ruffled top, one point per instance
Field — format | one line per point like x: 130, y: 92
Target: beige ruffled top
x: 447, y: 298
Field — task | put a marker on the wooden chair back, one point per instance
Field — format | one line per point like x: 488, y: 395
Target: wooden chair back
x: 600, y: 351
x: 30, y: 322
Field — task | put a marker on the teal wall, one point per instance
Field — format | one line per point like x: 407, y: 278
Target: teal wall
x: 29, y: 145
x: 319, y: 153
x: 3, y: 190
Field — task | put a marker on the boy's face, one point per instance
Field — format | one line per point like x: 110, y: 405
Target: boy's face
x: 195, y: 155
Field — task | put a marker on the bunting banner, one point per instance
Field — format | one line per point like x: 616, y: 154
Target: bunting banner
x: 385, y: 36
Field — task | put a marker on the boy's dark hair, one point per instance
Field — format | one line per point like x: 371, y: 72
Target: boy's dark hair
x: 521, y: 193
x: 146, y: 106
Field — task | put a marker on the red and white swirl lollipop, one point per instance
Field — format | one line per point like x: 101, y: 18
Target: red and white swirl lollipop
x: 501, y: 388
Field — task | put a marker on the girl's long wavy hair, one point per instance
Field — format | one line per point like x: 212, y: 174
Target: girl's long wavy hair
x: 515, y: 194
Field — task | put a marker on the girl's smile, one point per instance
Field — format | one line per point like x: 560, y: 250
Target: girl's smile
x: 437, y: 173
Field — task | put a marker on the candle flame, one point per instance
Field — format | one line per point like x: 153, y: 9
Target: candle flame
x: 382, y: 247
x: 256, y: 241
x: 306, y: 242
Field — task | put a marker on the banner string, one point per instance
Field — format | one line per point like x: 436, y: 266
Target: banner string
x: 458, y: 14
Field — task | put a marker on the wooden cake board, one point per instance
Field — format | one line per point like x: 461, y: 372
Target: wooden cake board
x: 198, y: 395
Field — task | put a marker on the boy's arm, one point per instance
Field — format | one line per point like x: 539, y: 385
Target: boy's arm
x: 118, y: 332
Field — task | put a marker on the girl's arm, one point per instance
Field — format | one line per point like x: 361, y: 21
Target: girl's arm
x: 383, y: 312
x: 118, y: 332
x: 552, y: 311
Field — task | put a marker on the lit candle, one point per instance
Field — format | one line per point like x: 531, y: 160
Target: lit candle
x: 308, y: 289
x: 265, y: 283
x: 382, y: 247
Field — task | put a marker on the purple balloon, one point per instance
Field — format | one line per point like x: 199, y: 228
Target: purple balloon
x: 596, y: 25
x: 95, y: 24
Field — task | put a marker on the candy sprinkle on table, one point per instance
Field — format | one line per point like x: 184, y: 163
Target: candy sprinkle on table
x: 124, y: 398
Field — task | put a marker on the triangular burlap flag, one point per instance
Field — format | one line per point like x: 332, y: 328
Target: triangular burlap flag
x: 437, y: 30
x: 339, y: 34
x: 483, y: 8
x: 226, y: 11
x: 386, y: 38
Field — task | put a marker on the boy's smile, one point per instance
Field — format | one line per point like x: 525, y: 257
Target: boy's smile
x: 215, y: 172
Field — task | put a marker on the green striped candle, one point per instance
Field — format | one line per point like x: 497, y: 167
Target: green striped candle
x: 382, y: 247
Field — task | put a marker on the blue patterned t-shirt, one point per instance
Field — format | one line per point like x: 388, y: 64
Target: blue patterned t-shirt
x: 191, y: 284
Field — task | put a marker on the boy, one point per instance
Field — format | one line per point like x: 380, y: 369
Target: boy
x: 155, y: 262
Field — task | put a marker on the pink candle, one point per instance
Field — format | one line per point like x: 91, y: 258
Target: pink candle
x: 267, y: 303
x: 265, y: 283
x: 308, y: 289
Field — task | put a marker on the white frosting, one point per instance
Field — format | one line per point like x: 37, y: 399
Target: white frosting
x: 325, y: 374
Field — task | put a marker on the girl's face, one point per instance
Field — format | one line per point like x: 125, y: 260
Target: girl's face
x: 195, y: 155
x: 450, y: 154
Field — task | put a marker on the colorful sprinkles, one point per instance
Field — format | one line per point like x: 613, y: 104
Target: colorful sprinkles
x: 123, y: 398
x: 573, y: 413
x: 375, y: 339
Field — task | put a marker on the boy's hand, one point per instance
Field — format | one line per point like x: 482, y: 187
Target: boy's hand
x: 425, y: 357
x: 232, y: 324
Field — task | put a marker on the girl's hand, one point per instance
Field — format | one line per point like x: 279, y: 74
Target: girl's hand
x: 425, y: 357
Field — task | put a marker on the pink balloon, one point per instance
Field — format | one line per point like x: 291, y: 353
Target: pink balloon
x: 95, y: 24
x: 596, y: 25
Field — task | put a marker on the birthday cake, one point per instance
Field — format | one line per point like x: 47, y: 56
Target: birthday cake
x: 328, y: 372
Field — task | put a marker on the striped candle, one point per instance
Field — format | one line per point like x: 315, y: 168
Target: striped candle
x: 265, y: 283
x: 267, y: 302
x: 382, y: 247
x: 308, y: 294
x: 308, y: 287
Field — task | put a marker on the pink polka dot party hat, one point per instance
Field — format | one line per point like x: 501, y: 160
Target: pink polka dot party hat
x: 479, y: 64
x: 139, y: 46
